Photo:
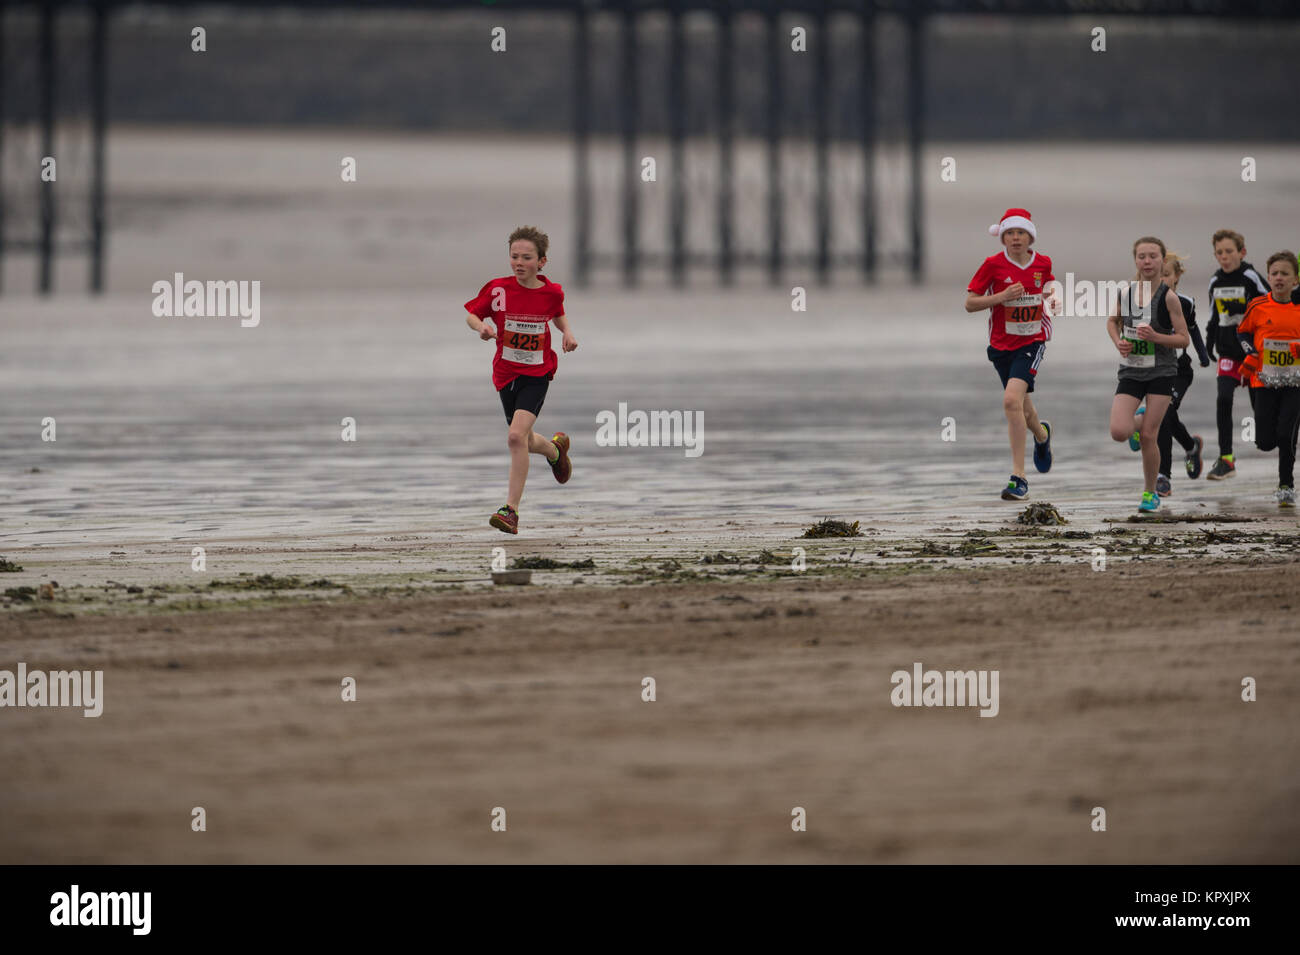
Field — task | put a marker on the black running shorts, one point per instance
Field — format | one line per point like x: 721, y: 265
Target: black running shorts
x: 1168, y: 385
x: 525, y: 393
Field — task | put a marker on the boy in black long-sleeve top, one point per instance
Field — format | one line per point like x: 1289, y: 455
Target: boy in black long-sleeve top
x: 1234, y: 284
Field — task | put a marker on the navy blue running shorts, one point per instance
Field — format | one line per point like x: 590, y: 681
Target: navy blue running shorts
x: 1022, y: 363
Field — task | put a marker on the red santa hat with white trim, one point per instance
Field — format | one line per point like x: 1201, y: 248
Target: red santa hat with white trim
x: 1014, y: 219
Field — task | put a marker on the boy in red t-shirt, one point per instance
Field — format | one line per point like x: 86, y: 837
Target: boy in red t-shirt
x: 1012, y: 284
x: 521, y: 307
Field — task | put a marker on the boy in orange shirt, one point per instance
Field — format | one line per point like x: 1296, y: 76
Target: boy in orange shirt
x: 1269, y: 334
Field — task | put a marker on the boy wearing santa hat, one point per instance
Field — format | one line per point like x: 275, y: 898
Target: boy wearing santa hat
x: 1011, y: 284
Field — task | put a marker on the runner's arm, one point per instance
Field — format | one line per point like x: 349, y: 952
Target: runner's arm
x: 479, y: 326
x: 1113, y: 326
x: 1212, y: 333
x: 1180, y: 338
x: 1251, y: 363
x: 569, y: 342
x: 1198, y: 343
x: 1247, y: 342
x: 977, y: 303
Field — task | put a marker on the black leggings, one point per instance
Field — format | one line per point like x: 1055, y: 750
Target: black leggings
x: 1172, y: 427
x: 1277, y: 420
x: 1223, y: 411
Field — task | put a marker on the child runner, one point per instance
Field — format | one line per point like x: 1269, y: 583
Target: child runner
x: 1011, y: 283
x: 1145, y: 328
x: 1270, y: 336
x: 522, y: 306
x: 1234, y: 284
x: 1172, y: 427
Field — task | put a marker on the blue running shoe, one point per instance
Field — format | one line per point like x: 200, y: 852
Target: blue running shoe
x: 1135, y: 442
x: 1150, y: 502
x: 1043, y: 452
x: 1017, y: 489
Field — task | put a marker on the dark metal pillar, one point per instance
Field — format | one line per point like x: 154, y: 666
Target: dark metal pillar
x: 821, y: 137
x: 726, y: 167
x: 676, y: 135
x: 915, y: 126
x: 867, y: 32
x: 581, y: 144
x: 46, y: 94
x: 98, y: 119
x: 776, y: 53
x: 2, y: 144
x: 632, y: 169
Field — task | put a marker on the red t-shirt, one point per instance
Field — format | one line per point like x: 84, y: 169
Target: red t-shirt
x: 522, y: 317
x: 1020, y: 321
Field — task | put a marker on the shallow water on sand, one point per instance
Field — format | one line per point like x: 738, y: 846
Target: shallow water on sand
x: 198, y: 429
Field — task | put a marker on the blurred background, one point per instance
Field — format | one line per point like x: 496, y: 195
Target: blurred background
x: 795, y: 144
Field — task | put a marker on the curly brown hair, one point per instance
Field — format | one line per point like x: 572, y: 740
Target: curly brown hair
x: 534, y: 235
x: 1237, y: 238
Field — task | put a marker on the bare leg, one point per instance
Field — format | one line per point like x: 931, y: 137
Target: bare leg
x: 1032, y: 423
x: 1149, y: 431
x: 1014, y: 407
x: 522, y: 440
x: 1123, y: 420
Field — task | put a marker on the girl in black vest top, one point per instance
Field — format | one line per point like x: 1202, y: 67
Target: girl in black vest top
x: 1146, y: 326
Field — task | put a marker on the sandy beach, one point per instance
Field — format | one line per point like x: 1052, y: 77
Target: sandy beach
x: 326, y: 558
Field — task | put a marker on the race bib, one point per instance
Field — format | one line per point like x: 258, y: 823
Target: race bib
x: 1225, y: 298
x: 1024, y: 315
x: 1143, y: 354
x: 1280, y: 369
x: 522, y: 342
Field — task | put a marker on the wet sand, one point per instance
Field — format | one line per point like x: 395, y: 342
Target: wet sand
x: 1118, y: 689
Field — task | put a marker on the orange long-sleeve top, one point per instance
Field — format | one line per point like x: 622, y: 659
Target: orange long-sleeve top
x: 1268, y: 320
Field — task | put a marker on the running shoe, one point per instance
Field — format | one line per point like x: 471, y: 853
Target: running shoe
x: 1194, y: 462
x: 561, y: 467
x: 1222, y: 470
x: 1017, y: 489
x: 1163, y: 487
x: 1285, y: 496
x: 505, y: 519
x: 1150, y: 502
x: 1135, y: 440
x: 1043, y: 452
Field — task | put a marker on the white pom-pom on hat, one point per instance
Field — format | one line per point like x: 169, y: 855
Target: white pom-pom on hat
x: 1014, y: 219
